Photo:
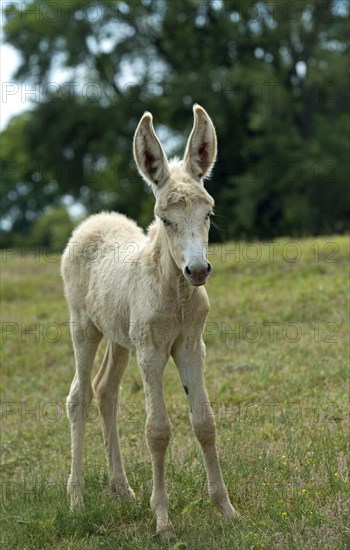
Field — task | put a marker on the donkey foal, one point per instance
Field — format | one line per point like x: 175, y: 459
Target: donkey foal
x: 153, y: 303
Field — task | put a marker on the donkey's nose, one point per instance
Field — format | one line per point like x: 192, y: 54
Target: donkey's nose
x: 197, y: 275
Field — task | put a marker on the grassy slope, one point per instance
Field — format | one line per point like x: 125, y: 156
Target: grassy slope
x: 281, y: 407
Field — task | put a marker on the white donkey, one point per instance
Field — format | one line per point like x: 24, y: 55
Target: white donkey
x: 154, y: 304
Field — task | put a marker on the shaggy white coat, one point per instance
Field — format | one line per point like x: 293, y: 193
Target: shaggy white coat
x: 144, y: 293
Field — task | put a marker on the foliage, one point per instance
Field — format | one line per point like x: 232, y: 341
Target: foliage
x: 276, y: 372
x: 273, y: 76
x: 52, y: 229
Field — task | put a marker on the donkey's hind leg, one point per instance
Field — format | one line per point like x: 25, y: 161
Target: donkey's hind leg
x: 106, y: 386
x: 86, y: 339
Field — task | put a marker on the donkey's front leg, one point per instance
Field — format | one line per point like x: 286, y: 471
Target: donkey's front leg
x: 158, y: 431
x: 189, y: 358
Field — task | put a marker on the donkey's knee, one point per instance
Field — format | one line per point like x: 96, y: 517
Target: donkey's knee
x: 158, y: 434
x: 204, y: 429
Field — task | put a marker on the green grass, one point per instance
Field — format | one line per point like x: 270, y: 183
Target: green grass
x: 277, y: 374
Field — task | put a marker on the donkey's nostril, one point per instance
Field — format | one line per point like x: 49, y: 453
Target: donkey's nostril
x: 187, y: 270
x: 209, y: 268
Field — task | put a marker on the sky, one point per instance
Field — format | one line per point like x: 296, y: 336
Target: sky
x: 13, y: 98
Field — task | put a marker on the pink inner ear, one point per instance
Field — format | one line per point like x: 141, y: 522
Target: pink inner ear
x: 203, y: 151
x: 149, y: 162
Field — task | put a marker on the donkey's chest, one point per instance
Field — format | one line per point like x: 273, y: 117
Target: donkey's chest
x: 157, y: 331
x: 135, y: 317
x: 165, y: 324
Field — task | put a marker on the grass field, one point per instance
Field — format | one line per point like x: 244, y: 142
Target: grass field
x: 278, y: 377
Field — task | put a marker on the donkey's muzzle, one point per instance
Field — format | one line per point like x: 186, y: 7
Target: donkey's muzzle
x: 197, y: 276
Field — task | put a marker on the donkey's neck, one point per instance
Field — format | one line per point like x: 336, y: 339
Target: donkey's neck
x: 166, y: 265
x: 170, y: 275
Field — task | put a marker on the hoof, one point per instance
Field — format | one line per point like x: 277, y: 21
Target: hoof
x: 166, y: 532
x: 76, y: 505
x: 232, y: 515
x: 121, y: 493
x: 228, y: 511
x: 166, y: 535
x: 75, y: 495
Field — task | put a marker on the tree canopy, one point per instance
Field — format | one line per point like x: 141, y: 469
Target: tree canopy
x: 272, y: 75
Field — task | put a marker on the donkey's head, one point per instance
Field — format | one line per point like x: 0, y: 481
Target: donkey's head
x: 183, y: 206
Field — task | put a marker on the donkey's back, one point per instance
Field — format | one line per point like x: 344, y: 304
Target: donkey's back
x: 98, y: 237
x: 102, y: 249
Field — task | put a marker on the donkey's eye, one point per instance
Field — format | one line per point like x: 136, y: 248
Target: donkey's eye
x: 166, y: 222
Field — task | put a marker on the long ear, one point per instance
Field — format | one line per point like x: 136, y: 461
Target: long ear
x: 200, y: 154
x: 149, y: 156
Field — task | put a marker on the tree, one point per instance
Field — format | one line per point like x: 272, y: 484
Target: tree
x: 272, y: 76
